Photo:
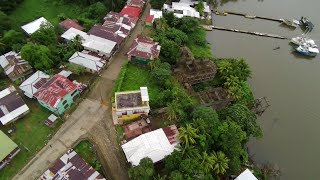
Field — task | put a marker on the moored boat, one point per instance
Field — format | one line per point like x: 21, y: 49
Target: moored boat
x: 300, y: 40
x: 307, y: 51
x: 294, y: 23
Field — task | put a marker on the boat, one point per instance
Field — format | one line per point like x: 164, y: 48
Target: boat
x: 300, y: 40
x: 293, y: 23
x: 306, y: 23
x: 307, y: 51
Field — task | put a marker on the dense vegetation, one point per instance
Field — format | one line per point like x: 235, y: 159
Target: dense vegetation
x: 212, y: 142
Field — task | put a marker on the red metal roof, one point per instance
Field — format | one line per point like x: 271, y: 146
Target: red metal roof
x: 144, y: 47
x: 68, y: 23
x: 149, y: 19
x: 131, y: 11
x: 55, y: 89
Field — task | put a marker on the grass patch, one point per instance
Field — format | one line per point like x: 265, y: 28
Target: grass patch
x: 86, y: 150
x: 31, y: 135
x: 198, y: 45
x: 29, y: 10
x: 136, y: 77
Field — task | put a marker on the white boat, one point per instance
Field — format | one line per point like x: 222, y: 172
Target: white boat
x: 308, y: 51
x: 300, y: 40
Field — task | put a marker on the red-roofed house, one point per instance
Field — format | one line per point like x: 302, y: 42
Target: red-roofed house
x: 149, y: 20
x: 143, y: 50
x: 68, y: 23
x: 131, y: 11
x: 136, y: 3
x: 57, y: 94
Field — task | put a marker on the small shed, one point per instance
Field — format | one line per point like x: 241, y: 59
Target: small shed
x: 149, y: 20
x: 51, y: 121
x: 34, y: 26
x: 246, y: 175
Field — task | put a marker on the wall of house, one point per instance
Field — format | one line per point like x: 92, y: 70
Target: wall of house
x: 127, y: 115
x: 140, y: 60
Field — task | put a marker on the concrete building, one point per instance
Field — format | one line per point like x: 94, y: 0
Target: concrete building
x: 132, y: 104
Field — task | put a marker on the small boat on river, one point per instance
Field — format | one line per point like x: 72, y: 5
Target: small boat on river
x: 300, y: 40
x: 306, y: 23
x: 292, y: 23
x: 307, y: 51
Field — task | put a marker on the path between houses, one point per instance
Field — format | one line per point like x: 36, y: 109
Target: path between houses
x: 92, y: 119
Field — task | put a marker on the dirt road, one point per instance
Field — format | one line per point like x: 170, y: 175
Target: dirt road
x: 92, y: 119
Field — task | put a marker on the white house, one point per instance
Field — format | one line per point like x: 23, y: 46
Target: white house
x: 73, y: 32
x: 33, y: 83
x: 92, y: 63
x: 246, y: 175
x: 155, y: 144
x: 157, y: 14
x: 185, y: 8
x: 12, y: 106
x: 33, y: 26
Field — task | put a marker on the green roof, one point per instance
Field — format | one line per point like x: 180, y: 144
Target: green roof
x: 6, y: 145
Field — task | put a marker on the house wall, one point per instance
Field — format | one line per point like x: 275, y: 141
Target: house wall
x: 10, y: 156
x: 128, y: 114
x: 64, y: 104
x: 139, y: 60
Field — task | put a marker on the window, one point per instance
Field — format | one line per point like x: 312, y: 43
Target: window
x: 64, y: 102
x: 74, y: 92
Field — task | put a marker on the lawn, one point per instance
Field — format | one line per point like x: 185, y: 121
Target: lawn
x: 31, y: 135
x: 32, y: 9
x: 136, y: 77
x: 86, y: 150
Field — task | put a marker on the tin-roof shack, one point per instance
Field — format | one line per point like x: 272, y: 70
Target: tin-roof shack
x: 12, y: 106
x: 131, y: 11
x: 8, y: 150
x: 33, y: 83
x: 92, y: 63
x: 114, y: 18
x: 57, y: 95
x: 14, y: 66
x: 72, y: 167
x: 35, y: 25
x: 136, y: 3
x: 143, y: 50
x: 68, y: 23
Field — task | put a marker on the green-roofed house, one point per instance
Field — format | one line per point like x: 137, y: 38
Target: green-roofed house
x: 8, y: 149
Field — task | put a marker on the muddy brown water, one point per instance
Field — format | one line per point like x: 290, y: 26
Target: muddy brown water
x: 289, y: 81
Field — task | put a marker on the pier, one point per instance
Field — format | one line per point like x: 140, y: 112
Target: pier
x: 224, y: 13
x: 210, y: 28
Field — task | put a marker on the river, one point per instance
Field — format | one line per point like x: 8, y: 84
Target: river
x: 290, y: 82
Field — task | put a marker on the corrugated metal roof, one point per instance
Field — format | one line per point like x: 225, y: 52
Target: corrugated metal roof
x: 87, y: 61
x: 68, y: 23
x: 131, y: 11
x: 33, y: 83
x: 144, y: 47
x: 246, y: 175
x: 6, y: 145
x: 33, y: 26
x: 144, y: 94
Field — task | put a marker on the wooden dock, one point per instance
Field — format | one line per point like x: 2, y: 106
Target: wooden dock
x: 245, y: 32
x: 246, y: 15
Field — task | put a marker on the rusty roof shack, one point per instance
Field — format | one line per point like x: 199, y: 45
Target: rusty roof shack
x: 132, y: 104
x: 195, y: 71
x: 114, y: 18
x: 143, y: 50
x: 68, y: 23
x: 71, y: 166
x: 14, y: 66
x: 135, y: 129
x: 217, y: 98
x: 136, y: 3
x: 115, y: 33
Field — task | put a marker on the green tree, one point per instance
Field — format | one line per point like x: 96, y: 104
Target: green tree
x: 38, y: 56
x: 220, y: 163
x: 12, y: 37
x: 200, y: 7
x: 234, y: 67
x: 188, y: 135
x: 144, y: 171
x: 96, y: 11
x: 169, y: 52
x: 161, y: 73
x: 8, y: 6
x: 46, y: 35
x: 5, y: 22
x: 188, y: 24
x: 174, y: 111
x: 157, y: 4
x: 77, y: 42
x: 161, y: 24
x: 172, y: 34
x: 207, y: 162
x: 76, y: 69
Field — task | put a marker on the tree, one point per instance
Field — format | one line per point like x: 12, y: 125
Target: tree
x: 45, y: 35
x: 174, y: 111
x: 173, y: 34
x: 169, y: 52
x: 157, y: 4
x: 12, y: 37
x: 76, y: 69
x: 188, y: 24
x: 8, y: 6
x: 207, y: 162
x: 144, y: 171
x: 200, y: 7
x: 5, y: 22
x: 38, y: 56
x: 77, y: 42
x: 234, y: 67
x: 246, y: 119
x: 161, y: 73
x: 188, y: 135
x: 220, y: 163
x: 161, y: 24
x: 96, y: 11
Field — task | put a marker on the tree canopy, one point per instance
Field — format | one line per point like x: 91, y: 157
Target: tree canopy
x: 38, y: 56
x: 144, y: 171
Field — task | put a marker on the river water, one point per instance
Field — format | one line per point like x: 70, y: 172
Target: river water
x: 290, y: 82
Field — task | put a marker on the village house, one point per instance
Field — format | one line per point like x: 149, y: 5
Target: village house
x: 114, y: 18
x: 12, y: 106
x: 68, y: 23
x: 90, y: 61
x: 57, y: 95
x: 143, y: 50
x: 115, y: 33
x: 35, y: 25
x: 14, y: 66
x: 71, y: 166
x: 8, y: 150
x: 149, y: 20
x: 132, y: 104
x: 246, y: 175
x: 71, y: 33
x: 156, y: 145
x: 136, y: 128
x: 131, y: 11
x: 186, y: 8
x: 33, y: 83
x: 136, y: 3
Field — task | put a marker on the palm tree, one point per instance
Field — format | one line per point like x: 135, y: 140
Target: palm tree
x: 2, y: 46
x: 188, y: 135
x: 225, y: 69
x: 173, y: 111
x: 220, y: 164
x: 77, y: 42
x: 154, y: 63
x: 207, y: 162
x: 162, y: 24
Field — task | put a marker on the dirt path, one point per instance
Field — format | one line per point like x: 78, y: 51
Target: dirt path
x: 92, y: 119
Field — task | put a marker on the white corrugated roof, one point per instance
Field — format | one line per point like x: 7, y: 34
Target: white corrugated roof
x: 246, y: 175
x: 28, y: 85
x: 144, y: 94
x: 99, y: 44
x: 157, y: 14
x: 13, y: 114
x: 65, y: 73
x: 72, y: 32
x: 33, y: 26
x: 86, y: 60
x: 154, y: 145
